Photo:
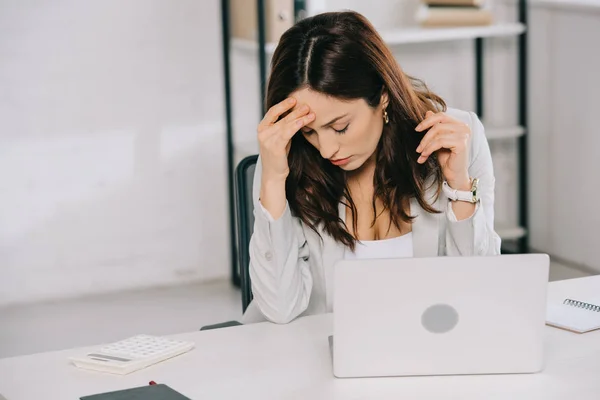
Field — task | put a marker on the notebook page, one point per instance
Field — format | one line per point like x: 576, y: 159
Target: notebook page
x: 572, y: 318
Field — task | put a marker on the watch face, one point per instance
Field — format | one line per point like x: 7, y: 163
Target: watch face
x: 474, y: 190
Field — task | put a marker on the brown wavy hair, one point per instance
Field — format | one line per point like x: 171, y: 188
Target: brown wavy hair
x: 340, y: 54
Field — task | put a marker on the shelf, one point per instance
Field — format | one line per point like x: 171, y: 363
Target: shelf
x: 577, y: 5
x: 425, y: 35
x: 415, y: 35
x: 499, y: 132
x: 511, y: 232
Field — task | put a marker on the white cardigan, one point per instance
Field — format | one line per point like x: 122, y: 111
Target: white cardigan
x: 291, y: 268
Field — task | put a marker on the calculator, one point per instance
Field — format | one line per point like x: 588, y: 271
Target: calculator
x: 132, y: 354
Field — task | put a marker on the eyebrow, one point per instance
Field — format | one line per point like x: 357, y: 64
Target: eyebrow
x: 333, y: 121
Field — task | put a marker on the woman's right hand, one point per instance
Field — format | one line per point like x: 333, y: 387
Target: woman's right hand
x: 275, y: 136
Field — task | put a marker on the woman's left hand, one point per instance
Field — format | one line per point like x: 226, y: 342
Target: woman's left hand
x: 450, y: 138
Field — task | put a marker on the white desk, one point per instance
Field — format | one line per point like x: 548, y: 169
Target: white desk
x: 266, y: 361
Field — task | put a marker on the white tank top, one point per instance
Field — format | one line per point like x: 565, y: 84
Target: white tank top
x: 398, y: 247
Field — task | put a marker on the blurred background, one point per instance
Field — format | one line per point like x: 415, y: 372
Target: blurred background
x: 122, y: 123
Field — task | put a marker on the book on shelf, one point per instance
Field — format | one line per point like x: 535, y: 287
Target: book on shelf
x: 280, y: 15
x: 243, y: 14
x: 455, y: 3
x: 453, y: 16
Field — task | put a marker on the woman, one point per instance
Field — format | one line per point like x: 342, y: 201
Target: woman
x: 357, y: 160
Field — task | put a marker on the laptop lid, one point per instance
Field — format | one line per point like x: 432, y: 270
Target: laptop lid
x: 439, y: 316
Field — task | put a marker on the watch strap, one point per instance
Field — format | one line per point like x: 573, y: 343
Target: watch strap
x: 470, y: 196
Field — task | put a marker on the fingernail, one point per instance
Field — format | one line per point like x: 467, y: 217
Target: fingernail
x: 418, y: 127
x: 291, y: 100
x: 311, y: 116
x: 304, y: 108
x: 299, y: 122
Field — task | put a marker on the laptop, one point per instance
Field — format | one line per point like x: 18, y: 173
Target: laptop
x: 439, y: 316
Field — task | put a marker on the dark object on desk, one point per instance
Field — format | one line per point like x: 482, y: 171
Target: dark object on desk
x: 150, y: 392
x: 221, y: 325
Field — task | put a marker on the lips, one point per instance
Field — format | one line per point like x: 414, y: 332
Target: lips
x: 340, y: 161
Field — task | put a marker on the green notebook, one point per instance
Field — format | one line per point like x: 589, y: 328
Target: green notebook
x: 150, y: 392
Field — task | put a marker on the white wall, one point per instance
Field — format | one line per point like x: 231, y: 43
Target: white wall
x: 565, y: 140
x: 112, y: 168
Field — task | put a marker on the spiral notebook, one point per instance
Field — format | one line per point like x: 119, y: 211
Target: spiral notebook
x: 574, y: 315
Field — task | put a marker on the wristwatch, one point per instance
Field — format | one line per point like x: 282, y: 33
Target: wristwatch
x: 470, y: 196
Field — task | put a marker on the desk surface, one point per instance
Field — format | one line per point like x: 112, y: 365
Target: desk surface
x: 267, y: 361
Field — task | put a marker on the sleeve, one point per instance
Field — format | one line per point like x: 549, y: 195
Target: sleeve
x: 475, y: 236
x: 279, y: 271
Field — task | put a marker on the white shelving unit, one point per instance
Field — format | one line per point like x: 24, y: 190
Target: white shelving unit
x: 510, y: 232
x: 498, y: 132
x: 398, y: 37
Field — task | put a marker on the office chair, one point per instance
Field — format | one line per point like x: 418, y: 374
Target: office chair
x: 244, y: 178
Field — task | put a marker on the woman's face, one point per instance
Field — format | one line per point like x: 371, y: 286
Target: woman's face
x: 345, y: 132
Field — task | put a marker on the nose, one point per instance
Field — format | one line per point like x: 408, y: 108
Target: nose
x: 328, y: 145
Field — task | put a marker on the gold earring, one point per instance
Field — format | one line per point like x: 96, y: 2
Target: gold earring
x: 386, y: 118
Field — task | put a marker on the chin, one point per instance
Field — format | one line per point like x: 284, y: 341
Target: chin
x: 352, y: 165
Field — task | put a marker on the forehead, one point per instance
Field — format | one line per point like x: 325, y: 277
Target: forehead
x: 326, y: 106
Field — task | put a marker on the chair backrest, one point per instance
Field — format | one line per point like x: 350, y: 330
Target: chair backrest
x: 244, y: 178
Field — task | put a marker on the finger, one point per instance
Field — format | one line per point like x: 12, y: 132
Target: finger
x: 429, y: 136
x: 286, y: 129
x: 432, y: 119
x: 443, y: 141
x: 279, y: 142
x: 275, y: 112
x: 294, y: 126
x: 434, y: 146
x: 423, y: 159
x: 439, y: 128
x: 295, y: 114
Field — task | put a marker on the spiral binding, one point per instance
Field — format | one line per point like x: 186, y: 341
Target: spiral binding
x: 580, y: 304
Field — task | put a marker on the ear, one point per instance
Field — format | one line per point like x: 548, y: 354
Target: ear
x: 385, y: 100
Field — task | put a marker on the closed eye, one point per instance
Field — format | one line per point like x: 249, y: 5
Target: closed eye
x: 342, y: 131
